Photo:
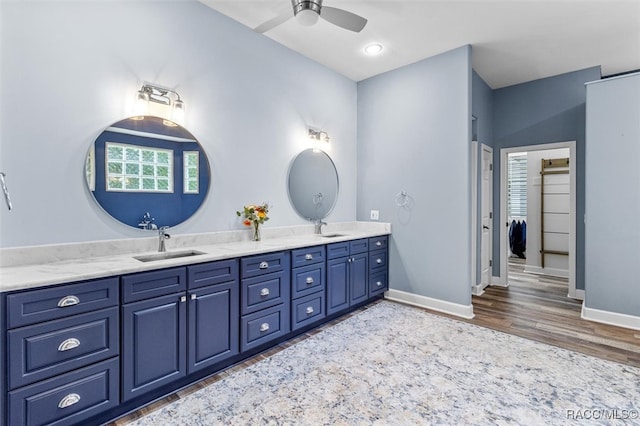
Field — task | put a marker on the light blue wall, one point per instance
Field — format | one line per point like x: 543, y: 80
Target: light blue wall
x: 482, y: 110
x: 543, y: 111
x: 414, y: 132
x: 70, y: 69
x: 612, y: 235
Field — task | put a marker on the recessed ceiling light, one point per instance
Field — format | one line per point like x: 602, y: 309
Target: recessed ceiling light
x: 373, y: 49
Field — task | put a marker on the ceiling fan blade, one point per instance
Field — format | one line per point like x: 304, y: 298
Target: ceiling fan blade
x: 342, y: 18
x: 274, y: 22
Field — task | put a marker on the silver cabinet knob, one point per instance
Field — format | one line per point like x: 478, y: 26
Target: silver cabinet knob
x: 183, y: 299
x: 264, y: 327
x: 264, y: 265
x: 264, y: 292
x: 309, y: 280
x: 68, y: 344
x: 378, y: 243
x: 308, y: 257
x: 378, y: 261
x: 379, y: 283
x: 309, y: 310
x: 68, y: 301
x: 69, y: 400
x: 194, y: 297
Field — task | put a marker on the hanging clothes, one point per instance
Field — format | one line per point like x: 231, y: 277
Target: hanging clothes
x: 516, y: 242
x: 524, y: 236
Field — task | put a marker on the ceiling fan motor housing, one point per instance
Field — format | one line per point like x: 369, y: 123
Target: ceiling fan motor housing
x: 300, y: 5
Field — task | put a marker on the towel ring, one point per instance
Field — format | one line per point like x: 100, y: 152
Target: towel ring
x: 402, y: 199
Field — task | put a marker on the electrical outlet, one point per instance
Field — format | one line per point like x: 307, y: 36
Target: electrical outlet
x: 375, y: 214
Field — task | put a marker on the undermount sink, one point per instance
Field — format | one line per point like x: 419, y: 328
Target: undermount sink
x: 334, y: 235
x: 168, y: 255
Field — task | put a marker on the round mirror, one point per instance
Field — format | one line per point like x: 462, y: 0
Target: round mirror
x: 313, y: 184
x: 147, y: 172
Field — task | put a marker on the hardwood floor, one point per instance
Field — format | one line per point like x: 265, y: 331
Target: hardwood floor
x: 533, y: 307
x: 537, y: 307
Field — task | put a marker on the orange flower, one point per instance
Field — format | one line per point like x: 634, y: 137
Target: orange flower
x: 261, y: 214
x: 247, y: 222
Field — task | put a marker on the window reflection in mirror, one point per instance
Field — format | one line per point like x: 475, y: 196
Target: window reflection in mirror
x: 147, y: 164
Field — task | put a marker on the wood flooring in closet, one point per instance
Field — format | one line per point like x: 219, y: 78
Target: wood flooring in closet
x: 537, y: 307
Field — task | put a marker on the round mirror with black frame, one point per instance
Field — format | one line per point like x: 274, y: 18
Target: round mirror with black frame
x: 147, y: 172
x: 313, y: 184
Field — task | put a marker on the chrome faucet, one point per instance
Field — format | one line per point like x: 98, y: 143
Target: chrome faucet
x: 162, y: 235
x: 318, y: 226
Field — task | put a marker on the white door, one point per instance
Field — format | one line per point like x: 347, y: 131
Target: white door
x: 487, y: 216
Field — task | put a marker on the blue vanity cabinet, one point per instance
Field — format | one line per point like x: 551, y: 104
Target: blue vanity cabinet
x: 308, y: 282
x: 264, y: 298
x: 214, y: 317
x: 154, y: 330
x: 63, y: 347
x: 347, y: 274
x: 378, y: 265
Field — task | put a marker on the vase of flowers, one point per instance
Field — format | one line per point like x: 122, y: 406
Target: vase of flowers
x: 254, y: 216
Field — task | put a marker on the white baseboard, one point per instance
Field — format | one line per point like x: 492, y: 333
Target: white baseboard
x: 498, y: 281
x: 611, y: 318
x: 430, y: 303
x: 478, y: 290
x: 577, y: 294
x: 554, y: 272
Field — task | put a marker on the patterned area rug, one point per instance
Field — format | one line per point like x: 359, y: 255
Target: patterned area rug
x: 397, y: 365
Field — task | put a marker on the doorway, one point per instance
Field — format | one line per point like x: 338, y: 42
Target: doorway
x: 547, y: 246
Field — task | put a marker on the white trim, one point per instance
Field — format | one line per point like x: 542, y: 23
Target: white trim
x: 579, y: 294
x: 499, y: 282
x: 478, y: 289
x: 474, y: 217
x: 554, y: 272
x: 611, y: 318
x: 430, y: 303
x: 504, y: 252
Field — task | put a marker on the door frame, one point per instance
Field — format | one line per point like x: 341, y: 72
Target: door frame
x: 477, y: 289
x: 504, y: 247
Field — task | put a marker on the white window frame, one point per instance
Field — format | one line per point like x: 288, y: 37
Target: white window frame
x: 186, y: 168
x: 141, y: 163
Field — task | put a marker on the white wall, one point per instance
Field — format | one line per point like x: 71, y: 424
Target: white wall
x: 612, y: 251
x: 70, y: 69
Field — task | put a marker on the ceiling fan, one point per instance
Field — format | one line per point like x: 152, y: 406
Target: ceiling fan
x: 307, y: 13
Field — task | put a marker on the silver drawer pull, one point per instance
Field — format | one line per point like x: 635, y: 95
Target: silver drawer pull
x: 69, y: 400
x: 379, y: 283
x: 309, y: 310
x: 264, y: 326
x: 194, y: 297
x: 183, y: 299
x: 264, y: 292
x: 309, y: 280
x: 264, y: 265
x: 378, y: 261
x: 378, y: 243
x: 308, y: 256
x: 68, y: 344
x: 68, y: 301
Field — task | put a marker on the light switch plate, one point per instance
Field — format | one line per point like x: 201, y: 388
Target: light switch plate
x: 375, y: 214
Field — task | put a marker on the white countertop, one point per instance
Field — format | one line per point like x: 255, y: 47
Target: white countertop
x: 83, y: 261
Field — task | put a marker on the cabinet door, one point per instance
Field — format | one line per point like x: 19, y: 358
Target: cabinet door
x: 337, y: 285
x: 358, y: 274
x: 153, y: 343
x: 213, y: 325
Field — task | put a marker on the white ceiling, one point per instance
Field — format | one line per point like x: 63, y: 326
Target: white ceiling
x: 513, y: 41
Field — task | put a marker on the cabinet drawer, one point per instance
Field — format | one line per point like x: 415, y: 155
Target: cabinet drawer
x: 146, y: 285
x: 359, y: 246
x: 377, y: 243
x: 212, y: 273
x: 264, y: 291
x: 308, y: 279
x: 264, y: 326
x: 263, y: 264
x: 378, y: 284
x: 337, y: 250
x: 44, y: 350
x: 378, y: 260
x: 307, y: 256
x: 34, y: 306
x: 66, y: 399
x: 307, y: 310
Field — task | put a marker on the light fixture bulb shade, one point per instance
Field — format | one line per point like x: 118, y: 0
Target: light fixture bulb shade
x: 177, y: 113
x: 307, y: 17
x: 141, y: 103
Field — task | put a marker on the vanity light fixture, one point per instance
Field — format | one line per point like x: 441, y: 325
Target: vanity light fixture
x: 151, y: 93
x: 373, y: 49
x: 319, y: 136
